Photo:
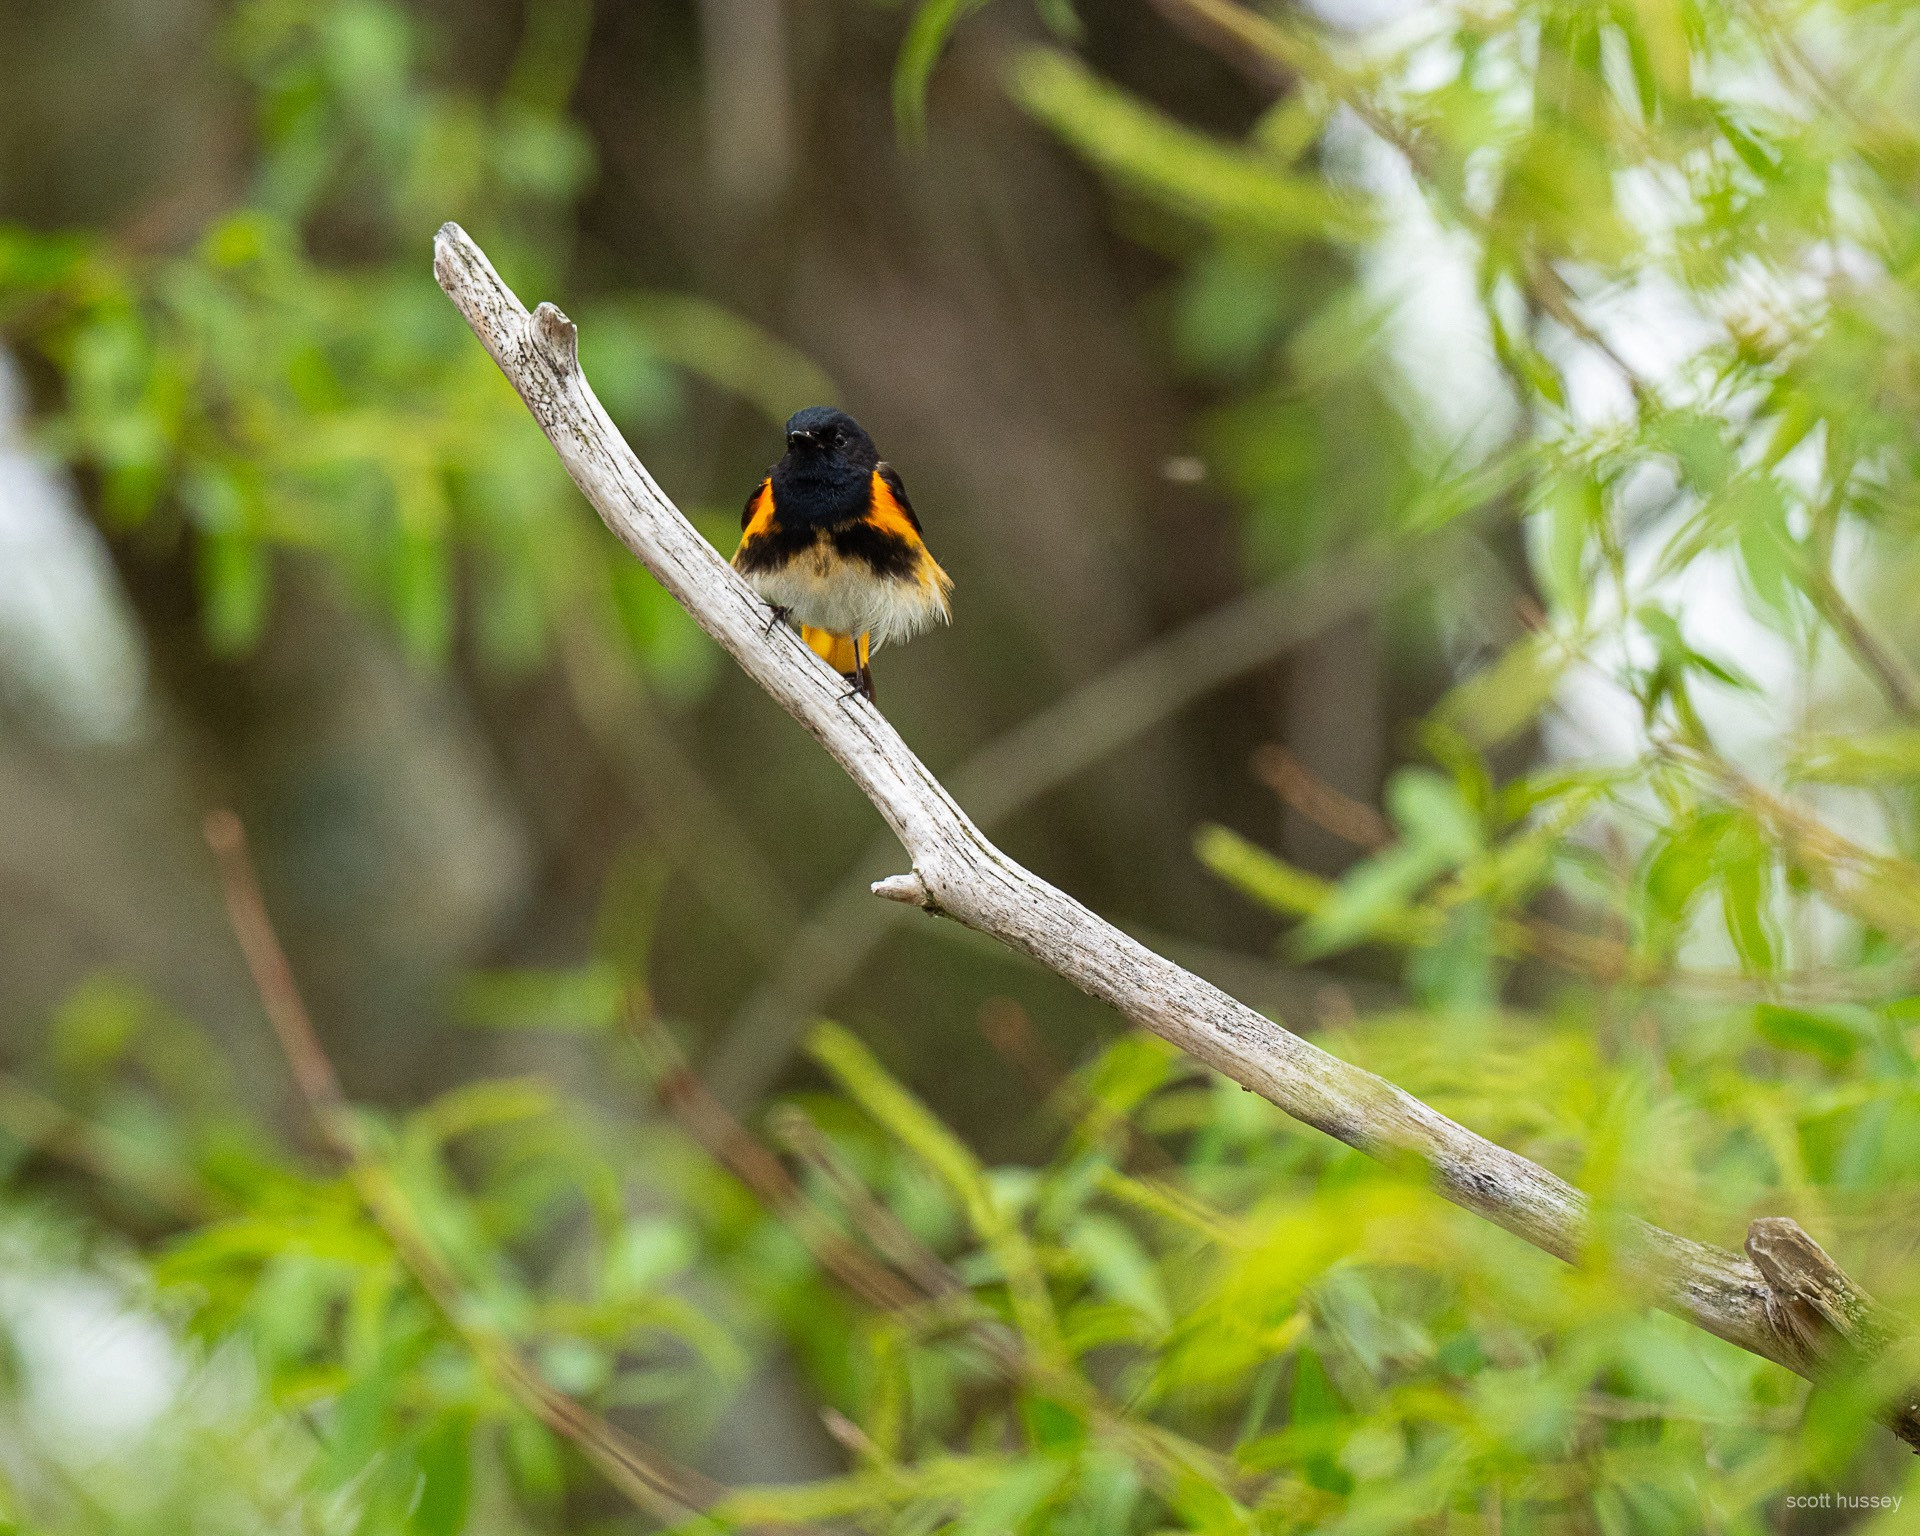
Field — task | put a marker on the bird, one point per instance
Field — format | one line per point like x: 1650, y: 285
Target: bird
x: 831, y: 542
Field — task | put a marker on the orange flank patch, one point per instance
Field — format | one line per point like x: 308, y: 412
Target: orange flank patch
x: 760, y: 516
x: 887, y: 513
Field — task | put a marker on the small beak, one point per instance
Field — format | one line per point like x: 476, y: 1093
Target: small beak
x: 796, y: 439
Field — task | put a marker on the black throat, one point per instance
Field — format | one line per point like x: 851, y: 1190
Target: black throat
x: 817, y: 489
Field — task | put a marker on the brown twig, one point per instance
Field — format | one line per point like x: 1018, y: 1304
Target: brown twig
x: 874, y: 1217
x: 1346, y: 818
x: 733, y: 1147
x: 1008, y: 1028
x: 666, y: 1490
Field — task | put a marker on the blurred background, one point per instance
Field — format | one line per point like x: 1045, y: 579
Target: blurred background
x: 1403, y: 467
x: 453, y: 717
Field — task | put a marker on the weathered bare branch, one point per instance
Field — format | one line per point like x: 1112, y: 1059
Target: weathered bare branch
x: 958, y: 873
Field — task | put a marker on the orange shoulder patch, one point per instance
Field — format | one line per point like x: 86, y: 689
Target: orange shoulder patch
x: 890, y: 515
x: 759, y: 512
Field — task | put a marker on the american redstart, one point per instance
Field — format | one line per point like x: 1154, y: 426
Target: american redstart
x: 830, y: 541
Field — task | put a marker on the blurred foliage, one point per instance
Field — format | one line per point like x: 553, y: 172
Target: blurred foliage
x: 1676, y: 966
x: 266, y: 398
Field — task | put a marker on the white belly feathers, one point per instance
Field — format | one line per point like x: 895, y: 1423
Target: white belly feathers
x: 849, y: 600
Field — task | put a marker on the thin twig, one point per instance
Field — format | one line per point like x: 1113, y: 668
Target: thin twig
x: 1350, y: 820
x: 45, y: 1126
x: 666, y: 1490
x: 1889, y: 670
x: 886, y: 1231
x: 958, y: 873
x: 733, y: 1147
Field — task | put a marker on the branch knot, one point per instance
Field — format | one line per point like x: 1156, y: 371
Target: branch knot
x: 556, y: 337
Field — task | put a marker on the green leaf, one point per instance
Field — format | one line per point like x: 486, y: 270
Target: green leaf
x: 234, y: 579
x: 1499, y: 701
x: 423, y: 592
x: 359, y: 1427
x: 477, y: 1105
x: 446, y: 1469
x: 1869, y: 757
x: 1699, y: 442
x: 645, y: 1253
x: 1372, y: 902
x: 1221, y: 184
x: 1256, y: 873
x: 587, y: 998
x: 1120, y: 1267
x: 1826, y: 1035
x: 1430, y: 810
x: 1573, y: 509
x: 1051, y: 1425
x: 1017, y: 1493
x: 1061, y: 19
x: 1678, y: 656
x: 905, y: 1117
x: 96, y: 1025
x: 1746, y: 864
x: 1128, y: 1071
x: 926, y: 39
x: 1678, y: 866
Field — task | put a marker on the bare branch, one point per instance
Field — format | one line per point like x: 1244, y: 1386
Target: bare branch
x: 960, y: 874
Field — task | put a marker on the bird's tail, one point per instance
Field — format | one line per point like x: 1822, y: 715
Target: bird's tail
x: 846, y: 654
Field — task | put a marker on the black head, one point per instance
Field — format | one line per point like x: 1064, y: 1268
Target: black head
x: 820, y: 429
